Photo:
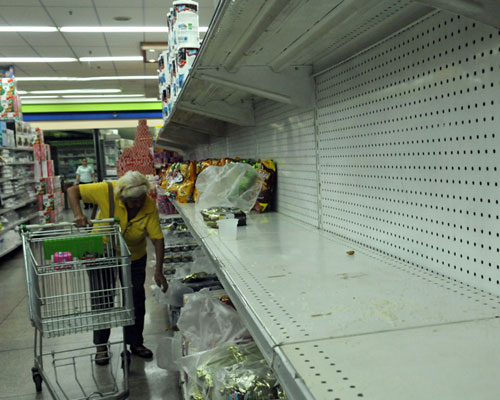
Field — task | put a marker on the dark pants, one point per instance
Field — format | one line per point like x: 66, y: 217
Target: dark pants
x: 133, y: 333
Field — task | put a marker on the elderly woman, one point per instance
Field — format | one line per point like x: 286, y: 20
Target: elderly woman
x: 138, y: 216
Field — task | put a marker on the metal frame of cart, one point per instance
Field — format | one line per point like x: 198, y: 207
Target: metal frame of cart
x: 78, y: 280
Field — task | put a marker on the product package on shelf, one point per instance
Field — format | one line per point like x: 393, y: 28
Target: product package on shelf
x: 7, y: 138
x: 10, y: 102
x: 184, y: 42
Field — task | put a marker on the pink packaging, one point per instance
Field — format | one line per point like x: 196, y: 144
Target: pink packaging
x: 62, y: 257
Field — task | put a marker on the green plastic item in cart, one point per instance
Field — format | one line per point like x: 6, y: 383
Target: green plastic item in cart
x: 77, y: 246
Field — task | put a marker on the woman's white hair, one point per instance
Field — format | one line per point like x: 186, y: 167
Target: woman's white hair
x: 131, y: 185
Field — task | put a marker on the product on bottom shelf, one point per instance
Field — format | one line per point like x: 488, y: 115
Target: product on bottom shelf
x: 219, y: 357
x: 267, y: 171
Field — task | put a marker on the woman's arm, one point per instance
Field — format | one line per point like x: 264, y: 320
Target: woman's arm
x: 160, y: 279
x: 74, y: 198
x: 77, y: 179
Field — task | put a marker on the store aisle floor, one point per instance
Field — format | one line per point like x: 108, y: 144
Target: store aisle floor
x: 146, y: 380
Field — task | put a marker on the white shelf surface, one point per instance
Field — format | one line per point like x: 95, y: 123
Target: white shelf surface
x: 16, y: 148
x: 9, y: 249
x: 17, y: 223
x: 23, y: 204
x: 297, y: 288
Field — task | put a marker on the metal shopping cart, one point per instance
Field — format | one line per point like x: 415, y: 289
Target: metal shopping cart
x: 78, y: 280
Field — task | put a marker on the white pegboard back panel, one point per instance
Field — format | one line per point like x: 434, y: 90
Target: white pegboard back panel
x: 285, y: 135
x: 408, y: 148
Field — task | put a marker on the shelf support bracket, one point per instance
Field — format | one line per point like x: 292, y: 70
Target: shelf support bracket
x: 240, y: 114
x: 294, y: 85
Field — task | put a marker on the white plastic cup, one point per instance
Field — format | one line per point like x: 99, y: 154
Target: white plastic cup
x: 228, y: 228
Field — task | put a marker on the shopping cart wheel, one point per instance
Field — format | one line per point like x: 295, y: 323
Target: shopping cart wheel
x: 37, y: 378
x: 123, y: 355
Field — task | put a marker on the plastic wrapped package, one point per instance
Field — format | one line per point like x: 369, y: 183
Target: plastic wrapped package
x: 175, y: 293
x: 207, y: 323
x: 234, y: 185
x: 169, y: 352
x: 230, y: 370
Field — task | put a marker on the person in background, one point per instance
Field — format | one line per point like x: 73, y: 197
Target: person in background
x: 138, y: 217
x: 85, y: 174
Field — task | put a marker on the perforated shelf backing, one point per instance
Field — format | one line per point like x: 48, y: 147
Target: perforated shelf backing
x: 408, y: 141
x: 285, y: 135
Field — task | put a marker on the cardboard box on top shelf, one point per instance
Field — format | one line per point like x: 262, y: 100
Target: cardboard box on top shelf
x: 7, y: 86
x: 11, y: 115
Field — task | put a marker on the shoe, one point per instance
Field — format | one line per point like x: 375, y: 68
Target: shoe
x: 141, y: 351
x: 102, y: 356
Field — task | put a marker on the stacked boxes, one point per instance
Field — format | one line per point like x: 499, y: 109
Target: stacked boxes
x: 175, y: 64
x: 139, y: 157
x: 10, y: 103
x: 49, y: 193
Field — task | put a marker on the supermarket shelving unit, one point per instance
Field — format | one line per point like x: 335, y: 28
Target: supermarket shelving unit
x: 21, y: 204
x: 381, y: 116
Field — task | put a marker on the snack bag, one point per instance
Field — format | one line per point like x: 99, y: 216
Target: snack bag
x: 267, y: 172
x: 185, y: 190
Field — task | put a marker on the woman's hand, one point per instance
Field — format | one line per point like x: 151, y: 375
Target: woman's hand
x: 82, y: 221
x: 160, y: 280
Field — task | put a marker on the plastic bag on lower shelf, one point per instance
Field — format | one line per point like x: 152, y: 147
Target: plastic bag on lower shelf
x: 230, y: 372
x: 207, y: 323
x: 169, y: 352
x: 175, y: 293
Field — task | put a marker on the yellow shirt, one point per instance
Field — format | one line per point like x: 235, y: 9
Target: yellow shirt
x: 133, y: 231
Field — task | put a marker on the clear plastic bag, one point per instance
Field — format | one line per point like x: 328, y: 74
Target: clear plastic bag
x: 234, y: 185
x: 169, y: 352
x: 208, y: 323
x: 175, y: 293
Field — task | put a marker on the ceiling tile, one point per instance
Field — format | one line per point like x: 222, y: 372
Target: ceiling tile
x: 68, y: 3
x: 36, y: 69
x: 119, y: 51
x: 91, y: 51
x: 117, y: 3
x: 156, y: 37
x: 54, y: 51
x: 36, y: 39
x: 132, y: 67
x: 85, y: 39
x: 9, y: 3
x: 156, y: 16
x: 18, y: 51
x: 133, y: 40
x: 106, y: 16
x: 11, y: 39
x: 68, y: 16
x: 26, y: 16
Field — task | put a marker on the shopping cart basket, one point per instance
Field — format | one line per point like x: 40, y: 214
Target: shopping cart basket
x: 78, y: 280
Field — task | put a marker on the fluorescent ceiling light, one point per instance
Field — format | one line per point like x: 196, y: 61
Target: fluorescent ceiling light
x: 22, y: 92
x: 126, y: 58
x: 101, y: 95
x: 36, y: 59
x: 28, y: 29
x: 75, y: 91
x: 124, y: 29
x: 38, y: 97
x: 92, y: 100
x: 92, y: 78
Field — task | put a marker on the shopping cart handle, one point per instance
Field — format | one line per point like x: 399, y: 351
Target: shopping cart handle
x: 25, y: 228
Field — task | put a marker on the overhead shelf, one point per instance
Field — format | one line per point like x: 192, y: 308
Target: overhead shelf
x: 272, y: 49
x: 262, y: 49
